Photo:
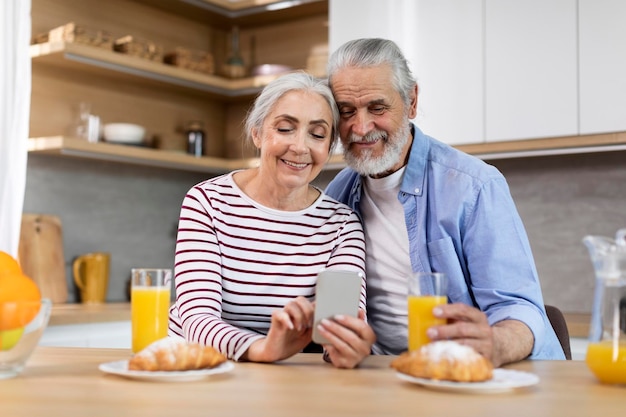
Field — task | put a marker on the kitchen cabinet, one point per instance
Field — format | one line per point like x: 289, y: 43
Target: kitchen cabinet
x: 530, y: 69
x: 123, y: 88
x: 602, y: 39
x: 488, y: 70
x: 506, y: 78
x: 442, y: 41
x: 450, y: 69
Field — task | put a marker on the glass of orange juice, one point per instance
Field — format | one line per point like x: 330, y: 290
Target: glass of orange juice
x: 426, y: 290
x: 149, y: 305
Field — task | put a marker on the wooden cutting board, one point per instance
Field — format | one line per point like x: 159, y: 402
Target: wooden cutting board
x: 41, y: 254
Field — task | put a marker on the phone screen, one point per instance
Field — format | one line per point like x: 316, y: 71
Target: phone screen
x: 336, y: 292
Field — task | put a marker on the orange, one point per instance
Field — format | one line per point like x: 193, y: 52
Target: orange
x: 8, y: 264
x: 15, y: 287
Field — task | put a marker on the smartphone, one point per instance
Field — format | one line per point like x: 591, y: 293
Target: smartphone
x: 336, y: 292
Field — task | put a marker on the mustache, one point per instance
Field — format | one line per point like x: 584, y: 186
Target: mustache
x: 372, y: 136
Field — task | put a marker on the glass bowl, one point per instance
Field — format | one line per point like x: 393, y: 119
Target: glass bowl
x: 21, y: 325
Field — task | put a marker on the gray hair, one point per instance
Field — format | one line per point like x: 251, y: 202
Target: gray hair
x: 296, y: 81
x: 371, y: 52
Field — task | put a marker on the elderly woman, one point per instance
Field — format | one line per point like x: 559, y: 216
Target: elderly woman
x: 250, y: 243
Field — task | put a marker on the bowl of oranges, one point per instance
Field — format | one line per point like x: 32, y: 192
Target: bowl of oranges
x: 24, y: 316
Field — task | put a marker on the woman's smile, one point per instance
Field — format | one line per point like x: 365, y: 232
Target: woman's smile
x: 297, y: 165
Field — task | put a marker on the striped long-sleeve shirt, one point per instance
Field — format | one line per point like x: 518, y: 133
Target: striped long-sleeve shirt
x: 237, y: 261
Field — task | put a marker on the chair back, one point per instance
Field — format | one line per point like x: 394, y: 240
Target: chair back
x: 557, y: 320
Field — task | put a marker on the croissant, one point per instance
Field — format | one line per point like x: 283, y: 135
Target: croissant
x: 445, y: 360
x: 175, y: 354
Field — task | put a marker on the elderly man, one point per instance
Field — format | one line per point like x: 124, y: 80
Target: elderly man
x: 426, y: 206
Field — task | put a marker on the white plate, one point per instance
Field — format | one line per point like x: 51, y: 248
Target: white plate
x: 503, y: 380
x: 121, y: 368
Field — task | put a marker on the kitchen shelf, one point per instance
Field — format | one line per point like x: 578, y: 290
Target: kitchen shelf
x: 234, y: 9
x: 83, y: 57
x: 245, y: 13
x: 66, y: 146
x: 565, y: 145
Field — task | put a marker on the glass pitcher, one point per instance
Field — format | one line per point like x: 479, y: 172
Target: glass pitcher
x: 606, y: 353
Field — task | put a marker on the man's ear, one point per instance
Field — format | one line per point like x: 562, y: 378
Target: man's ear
x: 413, y: 102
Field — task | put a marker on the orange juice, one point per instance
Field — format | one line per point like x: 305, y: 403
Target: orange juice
x: 607, y: 364
x: 149, y: 315
x: 421, y: 318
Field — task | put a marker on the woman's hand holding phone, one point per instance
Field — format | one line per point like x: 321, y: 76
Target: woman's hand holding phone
x: 339, y: 325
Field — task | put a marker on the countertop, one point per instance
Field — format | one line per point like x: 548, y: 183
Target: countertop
x: 63, y: 314
x: 67, y: 382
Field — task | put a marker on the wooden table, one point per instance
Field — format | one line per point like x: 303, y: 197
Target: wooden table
x: 66, y: 382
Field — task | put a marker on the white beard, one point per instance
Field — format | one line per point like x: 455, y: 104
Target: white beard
x: 366, y: 164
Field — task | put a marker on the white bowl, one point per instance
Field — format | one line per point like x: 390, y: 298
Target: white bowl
x: 123, y: 133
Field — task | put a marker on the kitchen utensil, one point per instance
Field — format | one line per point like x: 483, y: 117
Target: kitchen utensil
x: 606, y: 352
x: 252, y: 62
x: 235, y: 67
x: 87, y: 125
x: 40, y: 254
x: 195, y: 138
x: 91, y: 275
x: 124, y: 133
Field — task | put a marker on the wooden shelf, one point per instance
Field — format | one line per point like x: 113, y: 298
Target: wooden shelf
x: 103, y: 61
x: 65, y: 146
x: 246, y: 13
x: 249, y: 6
x: 565, y: 145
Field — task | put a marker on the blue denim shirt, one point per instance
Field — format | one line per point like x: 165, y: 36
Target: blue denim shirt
x: 461, y: 220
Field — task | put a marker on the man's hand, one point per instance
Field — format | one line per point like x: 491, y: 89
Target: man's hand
x: 351, y: 339
x: 504, y: 342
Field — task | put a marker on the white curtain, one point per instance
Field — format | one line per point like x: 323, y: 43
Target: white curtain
x: 15, y: 87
